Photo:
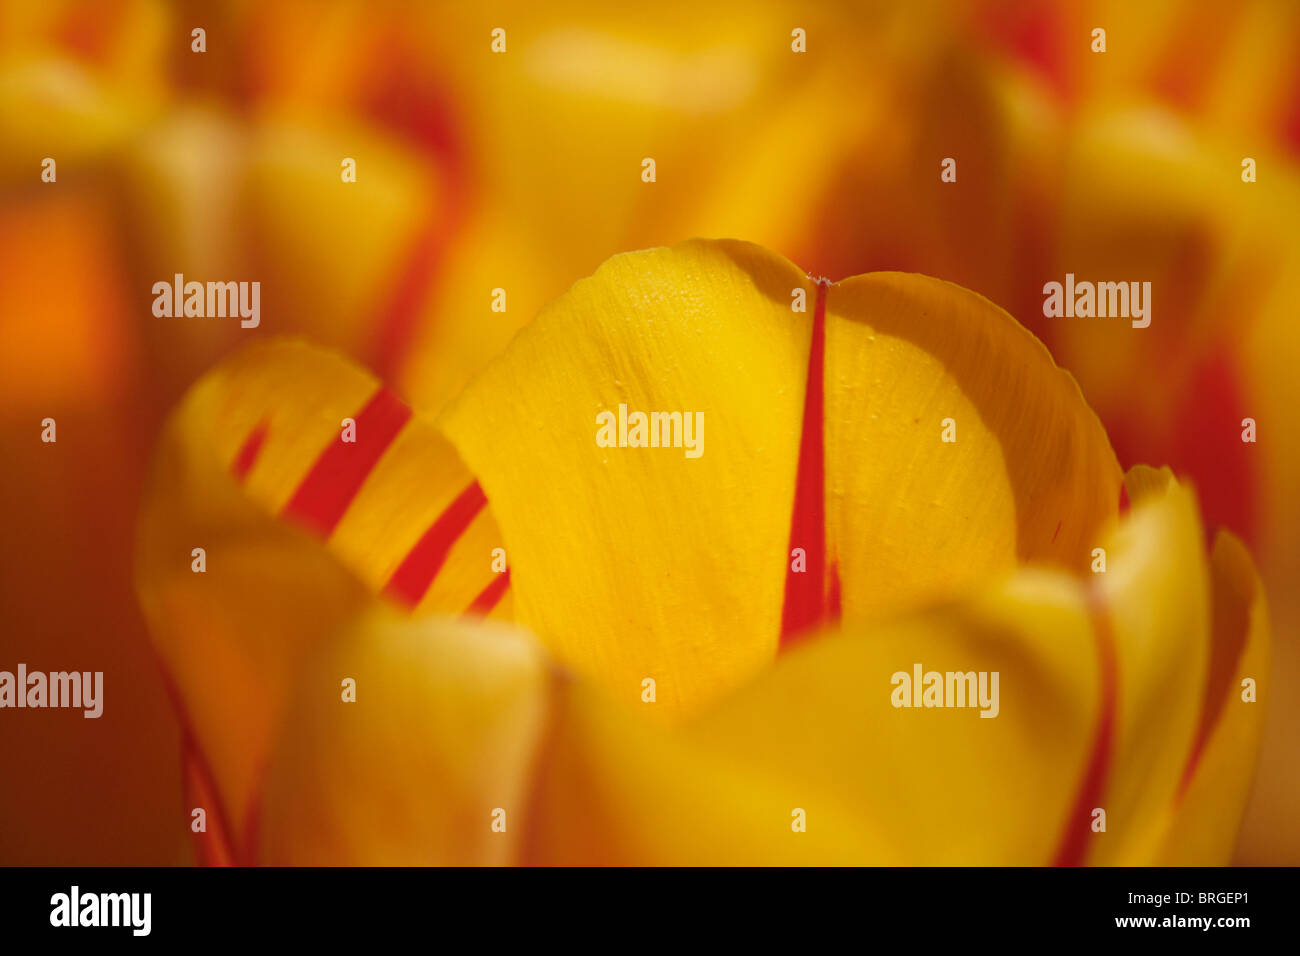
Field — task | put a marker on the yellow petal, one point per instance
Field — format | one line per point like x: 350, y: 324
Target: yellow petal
x: 1028, y: 476
x: 299, y: 529
x: 606, y: 89
x: 430, y: 764
x: 57, y: 108
x: 819, y: 733
x: 1152, y: 603
x: 365, y: 234
x: 636, y: 563
x: 1100, y: 683
x: 1219, y: 769
x: 677, y: 564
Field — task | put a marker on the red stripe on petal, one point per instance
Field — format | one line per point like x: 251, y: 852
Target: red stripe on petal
x: 407, y: 294
x: 490, y: 596
x: 212, y: 845
x: 248, y: 452
x: 423, y: 562
x: 324, y: 495
x: 806, y: 602
x: 403, y: 96
x: 1073, y: 849
x: 1230, y: 630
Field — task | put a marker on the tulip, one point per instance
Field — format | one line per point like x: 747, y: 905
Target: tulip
x: 1124, y: 165
x: 1060, y: 170
x: 691, y: 661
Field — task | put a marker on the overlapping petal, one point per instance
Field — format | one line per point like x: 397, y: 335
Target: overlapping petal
x: 309, y: 489
x: 432, y: 763
x: 1101, y: 696
x: 1114, y: 677
x: 1220, y: 767
x: 818, y: 735
x: 823, y: 431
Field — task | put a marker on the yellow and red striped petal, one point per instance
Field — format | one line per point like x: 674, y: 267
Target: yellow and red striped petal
x: 1100, y: 707
x: 819, y: 735
x: 1219, y: 769
x: 1152, y: 607
x: 300, y: 529
x: 823, y: 451
x: 320, y: 443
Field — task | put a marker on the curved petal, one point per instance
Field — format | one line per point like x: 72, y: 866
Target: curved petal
x: 803, y: 423
x: 299, y: 529
x: 819, y: 733
x: 1219, y: 769
x: 367, y: 236
x: 643, y: 562
x: 1099, y: 690
x: 1153, y: 604
x: 1028, y: 476
x: 430, y: 764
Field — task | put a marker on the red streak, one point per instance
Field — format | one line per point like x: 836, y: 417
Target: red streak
x: 1230, y: 627
x: 1032, y: 33
x: 1291, y: 113
x: 421, y: 565
x: 1189, y: 768
x: 402, y: 96
x: 807, y: 594
x: 490, y: 596
x: 410, y: 289
x: 248, y: 453
x: 92, y: 30
x: 1078, y: 825
x: 1206, y: 444
x: 324, y: 495
x: 212, y: 846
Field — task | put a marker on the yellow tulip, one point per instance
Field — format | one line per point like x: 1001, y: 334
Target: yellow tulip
x: 895, y: 475
x: 1127, y: 164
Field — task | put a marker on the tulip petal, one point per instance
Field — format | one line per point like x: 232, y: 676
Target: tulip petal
x: 430, y: 764
x: 299, y: 529
x: 809, y: 418
x: 1027, y: 476
x: 361, y: 234
x: 213, y: 842
x: 819, y: 733
x: 1100, y: 683
x: 318, y: 442
x: 1218, y: 771
x: 1152, y: 603
x: 636, y: 563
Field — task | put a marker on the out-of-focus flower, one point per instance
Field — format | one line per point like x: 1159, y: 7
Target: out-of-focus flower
x: 1233, y: 66
x: 151, y: 180
x: 822, y: 436
x: 1124, y: 165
